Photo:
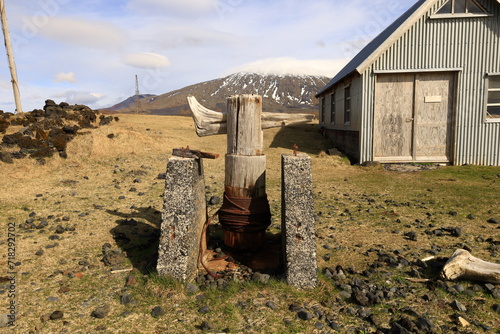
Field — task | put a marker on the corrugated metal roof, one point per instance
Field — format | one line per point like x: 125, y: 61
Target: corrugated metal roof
x: 378, y: 43
x: 373, y: 46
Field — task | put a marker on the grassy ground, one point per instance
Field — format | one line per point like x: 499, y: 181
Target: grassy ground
x: 362, y: 211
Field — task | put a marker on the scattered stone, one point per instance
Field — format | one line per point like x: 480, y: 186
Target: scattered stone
x: 192, y: 289
x: 273, y: 307
x: 64, y: 289
x: 204, y: 310
x: 214, y: 200
x: 261, y: 278
x: 125, y: 299
x: 319, y: 326
x: 413, y: 236
x: 398, y: 329
x: 4, y: 320
x: 425, y: 325
x: 496, y: 308
x: 56, y: 315
x: 101, y: 312
x: 458, y: 306
x: 6, y: 157
x: 39, y: 252
x: 493, y: 221
x: 131, y: 280
x: 206, y: 326
x: 157, y: 312
x: 361, y: 298
x: 52, y: 299
x: 304, y: 315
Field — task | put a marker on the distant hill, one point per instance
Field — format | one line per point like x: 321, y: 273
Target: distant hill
x: 281, y: 93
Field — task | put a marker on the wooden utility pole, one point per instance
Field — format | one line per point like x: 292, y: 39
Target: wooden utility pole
x: 10, y: 56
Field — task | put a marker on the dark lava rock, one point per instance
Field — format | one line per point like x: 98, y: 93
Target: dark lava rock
x: 493, y: 221
x: 125, y: 299
x: 294, y: 307
x: 214, y: 200
x: 101, y: 312
x: 413, y: 236
x: 304, y: 315
x: 60, y: 229
x: 157, y: 312
x: 39, y: 252
x: 361, y: 298
x: 398, y: 329
x: 425, y: 325
x: 496, y: 308
x: 56, y: 315
x: 206, y: 326
x: 364, y: 313
x: 204, y: 310
x: 6, y: 157
x: 105, y: 120
x: 272, y: 306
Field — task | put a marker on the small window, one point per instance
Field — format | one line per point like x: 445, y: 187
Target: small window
x: 462, y: 7
x: 323, y: 107
x: 332, y: 110
x: 493, y: 98
x: 347, y: 104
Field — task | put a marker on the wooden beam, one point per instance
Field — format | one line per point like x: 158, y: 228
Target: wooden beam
x: 188, y: 153
x: 209, y: 122
x: 462, y: 265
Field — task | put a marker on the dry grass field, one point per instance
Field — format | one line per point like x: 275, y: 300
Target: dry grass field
x: 375, y: 224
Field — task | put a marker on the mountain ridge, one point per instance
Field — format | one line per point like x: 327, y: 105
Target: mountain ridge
x: 281, y: 93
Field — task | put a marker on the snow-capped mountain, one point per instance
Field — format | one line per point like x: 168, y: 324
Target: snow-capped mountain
x: 281, y: 93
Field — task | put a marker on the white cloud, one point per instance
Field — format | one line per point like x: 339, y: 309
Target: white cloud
x: 79, y: 97
x: 184, y: 6
x: 146, y: 60
x: 284, y: 65
x: 65, y: 77
x: 86, y: 33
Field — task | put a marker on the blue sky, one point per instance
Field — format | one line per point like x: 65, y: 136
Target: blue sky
x: 89, y: 51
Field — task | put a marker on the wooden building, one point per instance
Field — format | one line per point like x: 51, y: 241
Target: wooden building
x: 427, y: 89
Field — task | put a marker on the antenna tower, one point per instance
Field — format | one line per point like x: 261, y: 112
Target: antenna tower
x: 137, y: 96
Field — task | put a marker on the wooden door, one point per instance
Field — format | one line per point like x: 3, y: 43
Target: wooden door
x: 413, y: 118
x: 434, y: 101
x: 393, y: 129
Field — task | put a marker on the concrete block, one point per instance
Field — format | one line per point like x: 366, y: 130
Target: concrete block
x: 299, y: 241
x: 183, y: 217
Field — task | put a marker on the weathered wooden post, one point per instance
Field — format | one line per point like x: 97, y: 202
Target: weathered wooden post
x: 245, y: 213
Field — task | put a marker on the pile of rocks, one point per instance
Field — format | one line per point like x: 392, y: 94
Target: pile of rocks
x: 46, y: 132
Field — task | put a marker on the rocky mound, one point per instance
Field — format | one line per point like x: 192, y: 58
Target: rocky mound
x: 40, y: 133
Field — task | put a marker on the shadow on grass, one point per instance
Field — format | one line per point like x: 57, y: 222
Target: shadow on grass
x: 305, y: 135
x: 137, y: 238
